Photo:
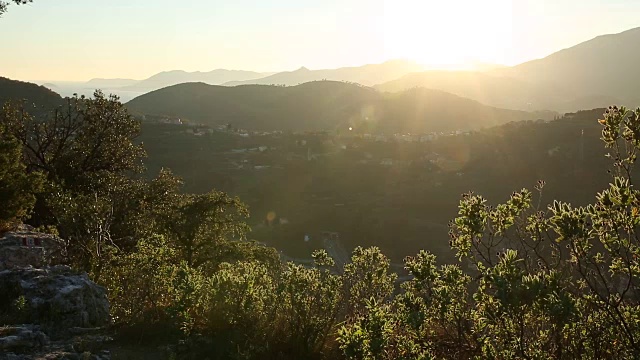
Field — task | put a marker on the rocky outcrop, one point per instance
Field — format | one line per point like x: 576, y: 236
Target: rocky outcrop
x: 57, y: 297
x: 29, y: 342
x: 17, y: 338
x: 29, y: 248
x: 47, y: 311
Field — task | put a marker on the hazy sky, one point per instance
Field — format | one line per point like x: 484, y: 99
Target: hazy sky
x: 83, y: 39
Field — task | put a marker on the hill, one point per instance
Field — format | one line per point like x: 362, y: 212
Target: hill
x: 366, y: 75
x: 33, y: 94
x: 579, y: 77
x: 488, y: 89
x: 603, y: 66
x: 322, y: 105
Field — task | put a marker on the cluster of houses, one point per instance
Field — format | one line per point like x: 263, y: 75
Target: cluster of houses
x: 336, y: 143
x: 201, y: 129
x: 413, y: 137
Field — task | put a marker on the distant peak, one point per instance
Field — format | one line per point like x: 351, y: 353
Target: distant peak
x: 302, y: 68
x: 397, y: 61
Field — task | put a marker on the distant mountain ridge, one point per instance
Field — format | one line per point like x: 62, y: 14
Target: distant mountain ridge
x: 589, y: 75
x: 174, y: 77
x: 99, y: 83
x: 603, y: 66
x: 368, y: 75
x: 323, y: 106
x: 127, y: 89
x: 595, y: 73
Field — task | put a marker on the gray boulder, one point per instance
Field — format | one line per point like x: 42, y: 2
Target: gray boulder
x: 57, y: 298
x: 28, y: 342
x: 22, y: 337
x: 47, y: 300
x: 30, y: 248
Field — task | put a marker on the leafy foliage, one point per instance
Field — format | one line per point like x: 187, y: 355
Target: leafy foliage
x: 17, y: 188
x: 86, y: 151
x: 80, y: 140
x: 4, y: 4
x: 201, y: 222
x: 531, y: 282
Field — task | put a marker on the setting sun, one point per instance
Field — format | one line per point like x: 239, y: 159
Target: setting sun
x: 447, y: 34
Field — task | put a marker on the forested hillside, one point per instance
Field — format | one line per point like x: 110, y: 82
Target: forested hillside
x: 322, y: 106
x: 32, y: 93
x: 393, y: 193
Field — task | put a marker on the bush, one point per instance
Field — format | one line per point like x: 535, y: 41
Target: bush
x: 547, y: 283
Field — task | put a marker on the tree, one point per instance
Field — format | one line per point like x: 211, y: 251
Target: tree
x: 76, y: 141
x: 4, y: 4
x: 113, y: 216
x: 17, y: 188
x: 201, y: 224
x: 80, y: 147
x: 560, y: 280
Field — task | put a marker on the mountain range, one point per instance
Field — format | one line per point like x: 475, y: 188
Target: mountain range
x: 128, y: 88
x: 365, y: 75
x: 169, y: 78
x: 604, y: 66
x: 595, y: 73
x: 592, y: 74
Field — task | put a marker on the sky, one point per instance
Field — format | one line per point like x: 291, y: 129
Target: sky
x: 76, y: 40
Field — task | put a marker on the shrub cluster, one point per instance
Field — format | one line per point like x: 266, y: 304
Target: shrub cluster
x: 532, y: 282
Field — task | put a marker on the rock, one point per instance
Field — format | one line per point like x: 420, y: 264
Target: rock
x: 12, y: 356
x: 85, y: 331
x: 57, y: 298
x: 28, y: 248
x: 17, y: 256
x: 28, y: 342
x: 22, y: 337
x: 59, y: 302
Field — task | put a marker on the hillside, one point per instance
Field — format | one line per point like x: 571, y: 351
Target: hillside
x: 505, y: 92
x: 366, y: 75
x: 393, y: 192
x: 32, y: 93
x: 425, y: 110
x: 580, y: 77
x: 322, y: 105
x: 603, y: 66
